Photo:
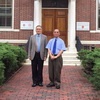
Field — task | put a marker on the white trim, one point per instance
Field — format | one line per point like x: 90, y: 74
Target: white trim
x: 90, y: 42
x: 13, y: 30
x: 12, y: 41
x: 25, y: 41
x: 12, y: 27
x: 94, y: 31
x: 97, y: 29
x: 37, y: 14
x: 41, y: 12
x: 54, y: 8
x: 96, y: 14
x: 71, y: 25
x: 13, y: 14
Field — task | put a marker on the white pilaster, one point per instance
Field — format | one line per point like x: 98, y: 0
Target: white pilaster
x: 71, y: 25
x: 37, y: 14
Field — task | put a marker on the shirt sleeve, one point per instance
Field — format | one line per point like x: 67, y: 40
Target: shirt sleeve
x: 63, y: 46
x: 48, y: 46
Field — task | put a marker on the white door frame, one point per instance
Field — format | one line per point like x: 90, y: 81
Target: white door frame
x: 71, y: 21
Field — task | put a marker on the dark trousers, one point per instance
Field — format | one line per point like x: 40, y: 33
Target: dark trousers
x: 37, y: 69
x: 55, y: 67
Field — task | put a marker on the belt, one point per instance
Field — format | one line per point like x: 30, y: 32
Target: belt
x: 54, y: 54
x: 37, y: 52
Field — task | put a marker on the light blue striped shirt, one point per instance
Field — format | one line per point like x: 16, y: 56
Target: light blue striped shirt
x: 38, y: 39
x: 60, y: 45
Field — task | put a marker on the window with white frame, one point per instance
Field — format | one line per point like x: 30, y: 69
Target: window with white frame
x: 5, y: 13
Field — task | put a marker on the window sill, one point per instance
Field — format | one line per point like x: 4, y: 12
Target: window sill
x: 94, y: 31
x: 13, y: 30
x: 90, y: 42
x: 12, y: 41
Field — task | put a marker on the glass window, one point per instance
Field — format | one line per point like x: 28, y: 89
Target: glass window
x: 55, y: 3
x: 5, y: 13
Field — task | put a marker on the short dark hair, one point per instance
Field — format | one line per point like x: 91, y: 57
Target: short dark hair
x: 38, y: 26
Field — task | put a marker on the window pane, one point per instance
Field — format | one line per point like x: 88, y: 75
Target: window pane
x: 99, y: 22
x: 2, y: 3
x: 99, y: 12
x: 99, y: 3
x: 9, y: 3
x: 8, y: 10
x: 9, y: 21
x: 5, y: 13
x: 2, y: 10
x: 2, y: 20
x: 55, y: 3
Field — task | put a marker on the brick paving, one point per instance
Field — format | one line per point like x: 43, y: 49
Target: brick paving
x: 74, y: 86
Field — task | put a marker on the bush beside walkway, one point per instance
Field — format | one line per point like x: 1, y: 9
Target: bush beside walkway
x: 11, y: 58
x: 90, y: 61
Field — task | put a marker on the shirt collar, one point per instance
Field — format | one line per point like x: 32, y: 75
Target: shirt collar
x: 38, y: 34
x: 56, y: 38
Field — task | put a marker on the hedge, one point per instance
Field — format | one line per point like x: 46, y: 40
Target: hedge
x: 11, y: 58
x: 90, y: 61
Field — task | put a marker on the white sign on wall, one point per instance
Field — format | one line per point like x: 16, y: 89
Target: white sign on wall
x: 26, y: 25
x: 83, y: 26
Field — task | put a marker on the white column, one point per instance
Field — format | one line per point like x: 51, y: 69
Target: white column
x: 40, y: 12
x: 37, y: 14
x: 71, y: 25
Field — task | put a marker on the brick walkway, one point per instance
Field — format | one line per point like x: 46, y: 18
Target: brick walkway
x: 74, y: 87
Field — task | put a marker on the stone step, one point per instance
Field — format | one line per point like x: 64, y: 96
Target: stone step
x: 65, y: 62
x: 69, y: 58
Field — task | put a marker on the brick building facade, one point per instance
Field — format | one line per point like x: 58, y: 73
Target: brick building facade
x: 83, y: 10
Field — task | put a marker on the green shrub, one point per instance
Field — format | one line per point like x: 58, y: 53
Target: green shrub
x: 18, y: 51
x: 91, y: 63
x: 11, y: 56
x: 82, y: 54
x: 10, y: 62
x: 86, y: 59
x: 1, y: 72
x: 20, y: 54
x: 95, y: 78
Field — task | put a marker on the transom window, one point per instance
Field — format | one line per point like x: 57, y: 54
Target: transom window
x: 5, y: 13
x: 55, y: 3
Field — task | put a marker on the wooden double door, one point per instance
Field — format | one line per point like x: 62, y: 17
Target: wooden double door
x: 55, y: 18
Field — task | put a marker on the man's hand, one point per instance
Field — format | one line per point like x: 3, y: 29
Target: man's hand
x: 45, y: 58
x: 29, y: 58
x: 53, y: 57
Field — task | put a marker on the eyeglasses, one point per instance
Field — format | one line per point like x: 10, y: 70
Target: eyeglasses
x: 56, y: 32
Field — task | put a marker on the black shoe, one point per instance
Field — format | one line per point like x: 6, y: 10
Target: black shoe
x: 57, y: 86
x: 50, y: 85
x: 34, y: 85
x: 40, y: 84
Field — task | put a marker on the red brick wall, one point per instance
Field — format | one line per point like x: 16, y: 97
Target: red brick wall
x: 86, y: 12
x: 23, y: 11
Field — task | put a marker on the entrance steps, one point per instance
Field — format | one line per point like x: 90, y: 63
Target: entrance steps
x: 69, y: 58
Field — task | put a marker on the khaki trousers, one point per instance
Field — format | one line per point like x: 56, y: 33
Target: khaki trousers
x: 55, y: 67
